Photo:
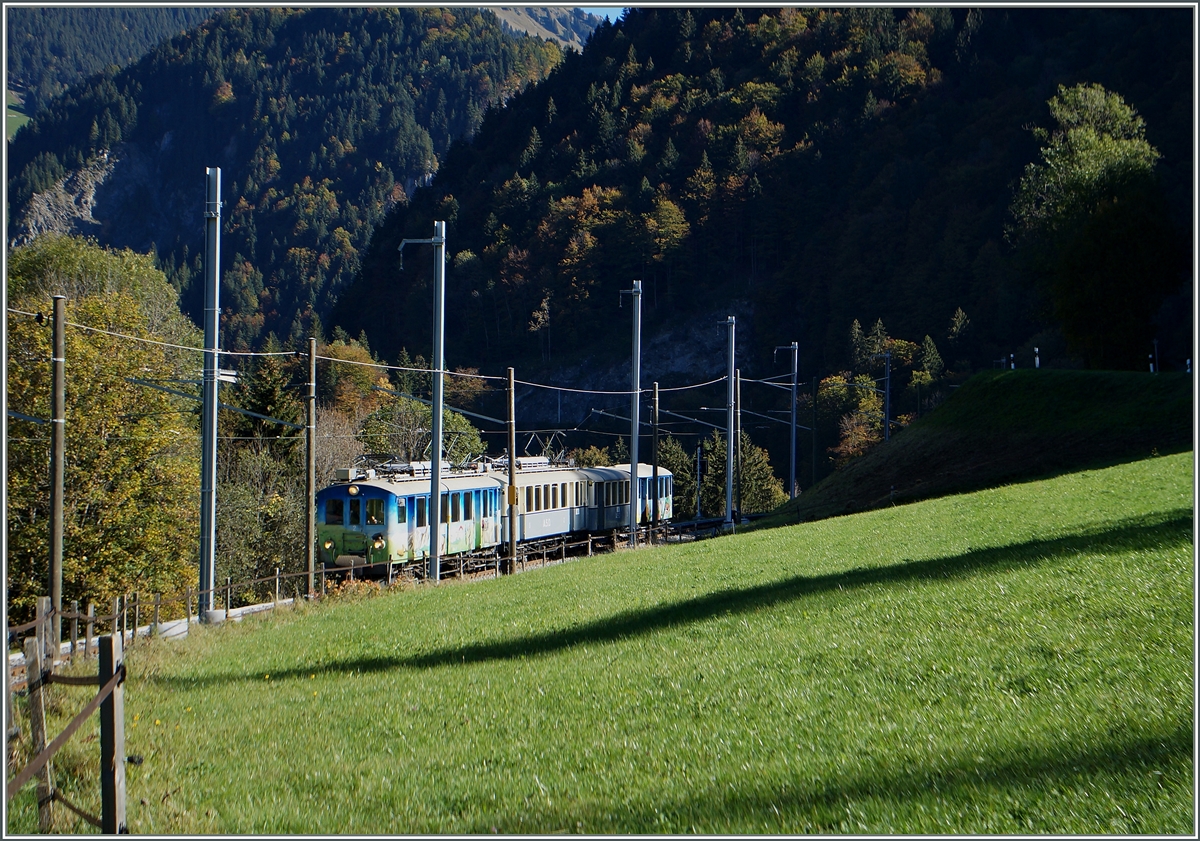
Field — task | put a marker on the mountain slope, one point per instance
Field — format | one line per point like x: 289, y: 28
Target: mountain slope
x: 1007, y: 426
x: 320, y: 119
x: 808, y: 168
x: 50, y: 49
x: 570, y: 28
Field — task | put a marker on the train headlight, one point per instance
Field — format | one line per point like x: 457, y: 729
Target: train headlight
x: 378, y: 541
x: 352, y: 490
x: 329, y: 543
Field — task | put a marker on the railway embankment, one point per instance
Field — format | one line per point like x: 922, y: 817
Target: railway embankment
x: 1007, y: 426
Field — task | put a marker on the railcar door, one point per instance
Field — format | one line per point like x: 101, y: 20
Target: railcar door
x: 419, y: 534
x: 401, y: 547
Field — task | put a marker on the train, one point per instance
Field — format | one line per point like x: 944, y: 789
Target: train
x: 375, y: 516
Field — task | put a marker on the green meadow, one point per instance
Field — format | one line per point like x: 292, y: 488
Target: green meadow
x: 1013, y: 660
x: 14, y: 115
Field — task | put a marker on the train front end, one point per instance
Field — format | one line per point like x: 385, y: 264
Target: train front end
x: 357, y: 526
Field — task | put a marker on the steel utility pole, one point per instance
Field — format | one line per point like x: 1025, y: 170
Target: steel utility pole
x: 439, y: 323
x: 58, y: 449
x: 814, y: 431
x: 514, y: 499
x: 310, y: 468
x: 737, y: 450
x: 208, y: 422
x: 635, y: 387
x: 731, y: 321
x: 795, y: 349
x: 654, y: 465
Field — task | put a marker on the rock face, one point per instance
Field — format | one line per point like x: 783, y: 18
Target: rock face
x: 118, y: 197
x: 570, y: 27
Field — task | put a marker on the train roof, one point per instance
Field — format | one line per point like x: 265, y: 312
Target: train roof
x: 415, y: 480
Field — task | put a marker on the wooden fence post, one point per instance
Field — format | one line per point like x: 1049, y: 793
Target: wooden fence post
x: 116, y: 615
x: 112, y: 740
x: 228, y: 594
x: 44, y: 634
x: 12, y: 731
x: 124, y: 616
x: 35, y: 682
x: 74, y: 628
x: 188, y: 615
x: 157, y: 604
x: 89, y: 629
x: 276, y: 603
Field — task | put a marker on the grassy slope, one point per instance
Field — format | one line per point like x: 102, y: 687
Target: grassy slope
x: 1013, y: 660
x: 1005, y: 426
x: 14, y: 116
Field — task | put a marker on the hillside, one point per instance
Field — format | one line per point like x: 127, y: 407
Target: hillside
x: 50, y: 49
x: 1009, y: 426
x: 321, y: 120
x: 569, y: 27
x: 805, y: 168
x: 1016, y: 661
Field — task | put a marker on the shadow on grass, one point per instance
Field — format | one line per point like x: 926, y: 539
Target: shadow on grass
x: 1022, y: 788
x: 1131, y: 534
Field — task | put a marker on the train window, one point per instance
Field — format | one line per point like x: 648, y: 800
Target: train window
x: 422, y: 519
x: 529, y: 497
x: 554, y: 495
x: 445, y: 516
x: 546, y: 496
x: 537, y: 498
x: 469, y: 505
x: 356, y: 512
x: 625, y: 490
x: 607, y: 494
x: 455, y: 507
x: 563, y: 495
x: 374, y: 512
x: 401, y: 510
x: 334, y: 512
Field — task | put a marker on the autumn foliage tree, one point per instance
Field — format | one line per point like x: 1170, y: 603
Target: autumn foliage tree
x: 132, y: 452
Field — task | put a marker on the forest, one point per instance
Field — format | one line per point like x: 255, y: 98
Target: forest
x: 821, y: 166
x: 50, y: 49
x: 871, y: 183
x: 320, y: 119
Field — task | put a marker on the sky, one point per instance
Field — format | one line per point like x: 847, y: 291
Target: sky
x: 610, y: 12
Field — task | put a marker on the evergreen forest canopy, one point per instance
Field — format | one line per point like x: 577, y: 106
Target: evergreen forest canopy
x: 50, y: 49
x: 320, y: 119
x: 825, y: 166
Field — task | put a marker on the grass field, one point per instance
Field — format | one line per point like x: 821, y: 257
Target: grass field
x: 1015, y: 660
x: 14, y: 117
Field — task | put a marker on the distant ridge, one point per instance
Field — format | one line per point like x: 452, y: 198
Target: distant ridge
x: 568, y: 26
